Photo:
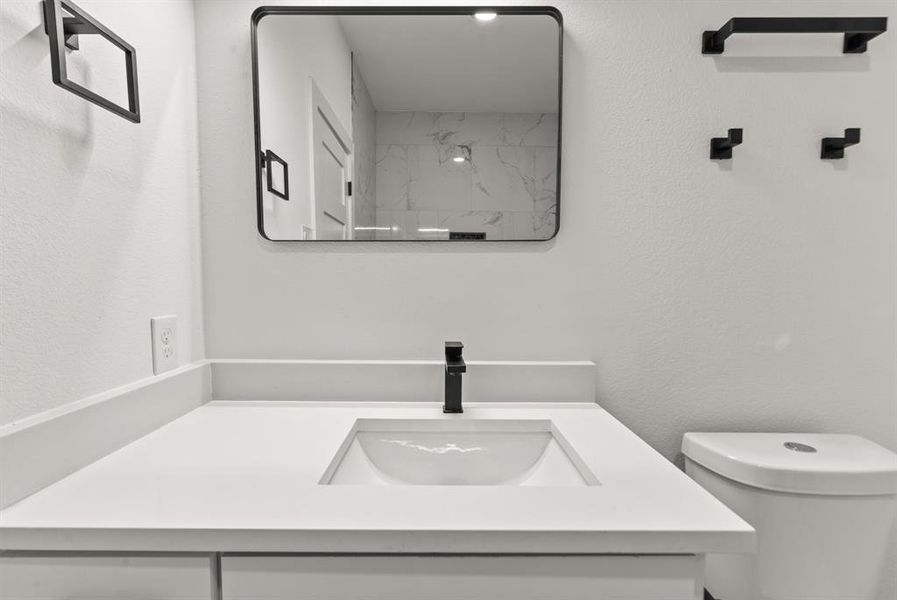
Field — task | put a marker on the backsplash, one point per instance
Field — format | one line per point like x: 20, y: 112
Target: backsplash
x: 506, y: 184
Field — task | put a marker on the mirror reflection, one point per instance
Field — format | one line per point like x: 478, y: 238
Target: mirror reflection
x: 396, y: 127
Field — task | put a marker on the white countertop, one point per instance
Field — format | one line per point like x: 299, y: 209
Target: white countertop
x: 236, y: 476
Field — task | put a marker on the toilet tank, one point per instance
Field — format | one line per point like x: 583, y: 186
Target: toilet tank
x: 824, y: 507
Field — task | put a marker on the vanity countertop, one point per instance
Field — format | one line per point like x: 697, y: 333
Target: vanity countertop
x: 242, y: 476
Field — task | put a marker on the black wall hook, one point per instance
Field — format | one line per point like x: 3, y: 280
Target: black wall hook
x: 833, y: 148
x: 721, y: 148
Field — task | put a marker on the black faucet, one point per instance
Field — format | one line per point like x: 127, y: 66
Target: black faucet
x: 454, y: 367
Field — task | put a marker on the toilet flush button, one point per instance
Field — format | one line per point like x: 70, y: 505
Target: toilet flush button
x: 798, y: 447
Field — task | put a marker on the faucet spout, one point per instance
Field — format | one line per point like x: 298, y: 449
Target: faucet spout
x: 454, y: 367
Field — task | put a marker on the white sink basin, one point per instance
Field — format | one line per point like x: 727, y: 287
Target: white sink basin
x: 456, y: 452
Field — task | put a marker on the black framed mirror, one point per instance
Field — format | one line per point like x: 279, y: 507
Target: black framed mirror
x: 432, y: 124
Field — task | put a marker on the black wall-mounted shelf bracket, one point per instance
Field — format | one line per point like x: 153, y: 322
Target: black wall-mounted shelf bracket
x: 833, y: 147
x: 64, y: 31
x: 721, y: 148
x: 857, y: 30
x: 72, y: 27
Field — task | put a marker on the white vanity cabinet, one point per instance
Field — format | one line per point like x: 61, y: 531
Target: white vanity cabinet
x: 43, y: 577
x: 462, y: 578
x: 182, y: 494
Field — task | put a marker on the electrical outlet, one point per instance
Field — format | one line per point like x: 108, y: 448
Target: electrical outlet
x: 165, y: 343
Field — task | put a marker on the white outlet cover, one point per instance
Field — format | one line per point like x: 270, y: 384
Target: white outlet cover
x: 165, y: 343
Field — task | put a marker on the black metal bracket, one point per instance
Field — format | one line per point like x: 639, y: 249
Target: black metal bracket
x: 64, y: 31
x: 721, y: 148
x: 267, y: 158
x: 857, y: 30
x: 72, y: 27
x: 833, y: 147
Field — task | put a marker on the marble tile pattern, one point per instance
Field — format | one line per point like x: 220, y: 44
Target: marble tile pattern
x: 505, y: 187
x: 364, y: 125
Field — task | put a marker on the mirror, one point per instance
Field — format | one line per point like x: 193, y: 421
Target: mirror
x: 407, y: 124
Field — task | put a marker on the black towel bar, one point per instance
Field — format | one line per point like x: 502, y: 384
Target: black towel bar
x: 857, y: 30
x: 64, y: 32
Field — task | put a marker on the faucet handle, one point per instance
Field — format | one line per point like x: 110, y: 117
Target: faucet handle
x: 453, y: 349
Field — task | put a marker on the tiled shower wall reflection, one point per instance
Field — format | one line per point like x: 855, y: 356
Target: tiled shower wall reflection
x: 363, y: 128
x: 507, y: 188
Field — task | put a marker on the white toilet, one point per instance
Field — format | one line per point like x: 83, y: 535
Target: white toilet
x: 824, y: 507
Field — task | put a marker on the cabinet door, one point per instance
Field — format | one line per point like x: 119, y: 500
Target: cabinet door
x: 104, y: 578
x: 462, y: 578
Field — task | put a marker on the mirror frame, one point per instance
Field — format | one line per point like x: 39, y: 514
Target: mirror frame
x: 264, y: 11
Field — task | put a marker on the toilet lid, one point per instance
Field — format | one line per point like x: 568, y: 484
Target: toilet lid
x: 797, y: 462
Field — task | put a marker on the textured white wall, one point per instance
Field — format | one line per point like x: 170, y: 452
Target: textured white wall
x: 753, y: 295
x: 759, y: 294
x: 99, y: 217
